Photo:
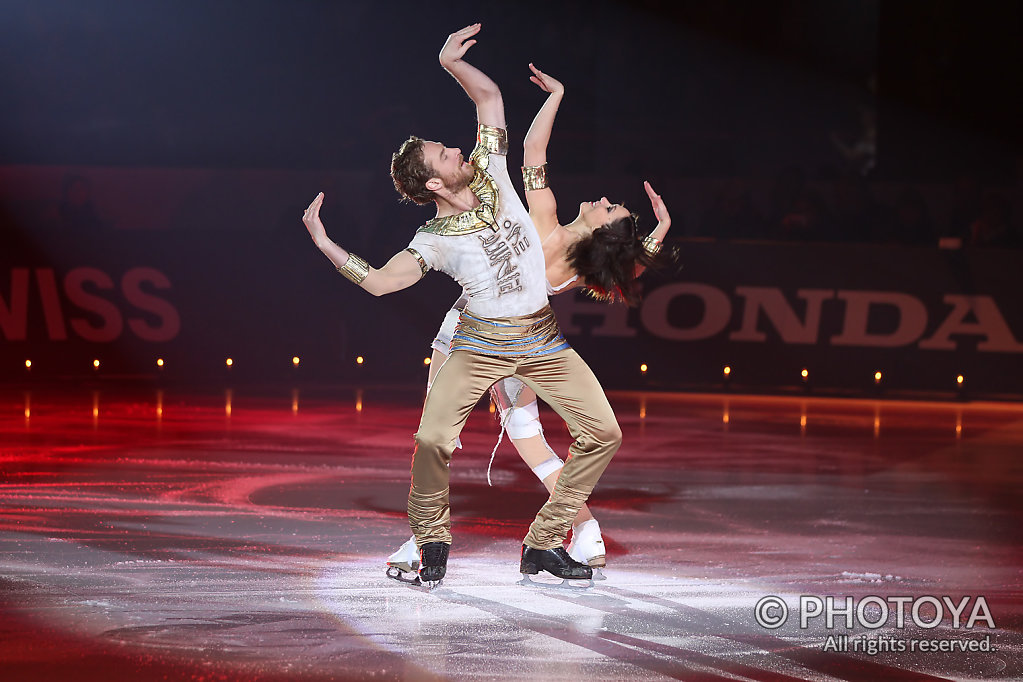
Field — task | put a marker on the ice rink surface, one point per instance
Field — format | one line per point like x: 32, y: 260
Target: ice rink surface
x: 241, y: 535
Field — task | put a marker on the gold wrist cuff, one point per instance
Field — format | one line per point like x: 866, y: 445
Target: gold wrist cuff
x: 495, y: 140
x: 535, y: 177
x: 652, y: 246
x: 355, y: 269
x: 419, y: 259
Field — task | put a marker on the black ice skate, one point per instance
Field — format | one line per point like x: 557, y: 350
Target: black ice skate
x: 434, y: 562
x: 558, y: 563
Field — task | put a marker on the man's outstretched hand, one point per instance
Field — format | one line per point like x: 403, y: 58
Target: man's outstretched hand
x: 458, y: 44
x: 311, y: 219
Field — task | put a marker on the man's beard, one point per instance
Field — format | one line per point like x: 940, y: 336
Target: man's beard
x: 459, y: 181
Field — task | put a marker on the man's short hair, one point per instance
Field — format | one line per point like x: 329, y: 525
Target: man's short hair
x: 410, y: 172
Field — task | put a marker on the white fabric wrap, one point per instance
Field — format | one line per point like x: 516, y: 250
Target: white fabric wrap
x: 548, y: 467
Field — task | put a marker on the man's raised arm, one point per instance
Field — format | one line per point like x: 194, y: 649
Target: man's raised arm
x: 478, y: 85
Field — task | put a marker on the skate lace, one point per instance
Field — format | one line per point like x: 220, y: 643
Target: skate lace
x: 500, y: 436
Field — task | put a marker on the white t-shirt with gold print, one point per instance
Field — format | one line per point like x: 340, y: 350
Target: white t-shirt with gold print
x: 494, y: 251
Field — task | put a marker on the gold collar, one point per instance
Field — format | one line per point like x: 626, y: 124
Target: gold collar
x: 473, y: 220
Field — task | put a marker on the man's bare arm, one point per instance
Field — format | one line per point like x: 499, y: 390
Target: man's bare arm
x: 402, y: 271
x: 481, y: 89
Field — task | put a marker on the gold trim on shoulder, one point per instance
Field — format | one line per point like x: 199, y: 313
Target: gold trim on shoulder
x: 535, y: 177
x: 419, y: 259
x: 494, y: 139
x: 483, y: 216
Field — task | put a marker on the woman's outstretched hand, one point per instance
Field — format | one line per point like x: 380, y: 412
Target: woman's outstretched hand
x: 545, y: 82
x: 660, y: 210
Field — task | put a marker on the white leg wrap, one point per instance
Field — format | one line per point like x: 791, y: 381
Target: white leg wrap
x: 523, y: 422
x: 548, y: 467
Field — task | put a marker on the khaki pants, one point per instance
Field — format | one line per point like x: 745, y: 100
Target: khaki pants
x: 563, y: 381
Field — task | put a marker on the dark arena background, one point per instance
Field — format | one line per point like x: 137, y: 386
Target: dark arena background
x: 205, y: 431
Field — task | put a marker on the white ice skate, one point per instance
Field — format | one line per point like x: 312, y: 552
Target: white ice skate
x: 403, y: 565
x: 587, y: 547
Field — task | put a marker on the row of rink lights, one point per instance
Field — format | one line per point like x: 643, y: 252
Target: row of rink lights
x: 726, y: 419
x: 228, y: 362
x: 229, y: 400
x: 726, y: 372
x: 228, y: 404
x: 295, y: 394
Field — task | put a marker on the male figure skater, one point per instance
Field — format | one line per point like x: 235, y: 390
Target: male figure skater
x: 483, y: 238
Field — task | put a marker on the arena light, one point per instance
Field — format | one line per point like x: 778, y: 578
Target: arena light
x: 159, y: 362
x: 295, y: 360
x: 961, y: 387
x: 643, y: 368
x: 359, y: 360
x: 229, y: 362
x: 28, y: 365
x: 727, y: 372
x: 805, y: 374
x: 427, y: 361
x: 95, y: 364
x: 877, y: 377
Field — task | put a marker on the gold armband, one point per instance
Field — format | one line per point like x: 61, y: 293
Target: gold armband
x: 356, y: 269
x: 419, y: 259
x: 535, y: 177
x: 652, y: 246
x: 495, y: 140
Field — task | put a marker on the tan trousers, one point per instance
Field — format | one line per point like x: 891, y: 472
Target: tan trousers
x: 563, y: 381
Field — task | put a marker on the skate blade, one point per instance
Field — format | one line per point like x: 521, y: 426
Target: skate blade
x: 556, y: 583
x: 402, y: 576
x: 412, y: 579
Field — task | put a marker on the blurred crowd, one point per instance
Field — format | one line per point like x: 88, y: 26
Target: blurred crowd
x: 852, y: 208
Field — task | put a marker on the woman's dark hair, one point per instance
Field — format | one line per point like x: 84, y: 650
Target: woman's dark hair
x: 608, y: 258
x: 410, y: 172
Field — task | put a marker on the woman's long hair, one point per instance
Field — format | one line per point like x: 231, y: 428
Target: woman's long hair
x: 607, y: 260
